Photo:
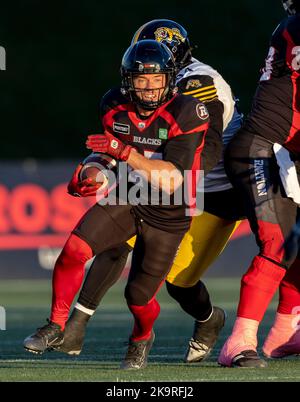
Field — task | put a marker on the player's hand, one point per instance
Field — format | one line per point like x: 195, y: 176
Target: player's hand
x: 108, y: 144
x: 83, y: 188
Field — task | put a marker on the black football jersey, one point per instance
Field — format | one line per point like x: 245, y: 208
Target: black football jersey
x: 174, y: 132
x: 275, y: 112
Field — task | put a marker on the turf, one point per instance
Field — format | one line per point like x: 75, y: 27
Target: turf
x: 27, y: 306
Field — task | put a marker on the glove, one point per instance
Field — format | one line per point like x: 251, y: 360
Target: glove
x: 109, y: 144
x: 82, y: 188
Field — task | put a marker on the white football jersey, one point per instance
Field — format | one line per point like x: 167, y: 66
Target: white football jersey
x: 216, y: 90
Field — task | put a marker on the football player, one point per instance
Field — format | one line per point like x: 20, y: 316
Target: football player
x: 151, y: 107
x: 260, y: 163
x: 209, y: 232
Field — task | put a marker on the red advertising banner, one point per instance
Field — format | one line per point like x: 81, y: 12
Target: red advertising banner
x: 37, y: 215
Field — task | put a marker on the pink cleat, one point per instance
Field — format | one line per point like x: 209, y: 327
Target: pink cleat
x: 284, y: 337
x: 240, y: 348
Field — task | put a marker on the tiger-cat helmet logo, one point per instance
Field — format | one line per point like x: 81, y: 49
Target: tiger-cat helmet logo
x: 169, y: 35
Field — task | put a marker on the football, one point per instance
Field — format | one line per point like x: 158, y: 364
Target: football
x: 94, y: 167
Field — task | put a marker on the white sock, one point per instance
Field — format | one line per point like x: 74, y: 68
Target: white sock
x: 85, y: 310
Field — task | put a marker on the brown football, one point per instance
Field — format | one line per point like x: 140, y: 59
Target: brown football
x: 92, y: 172
x: 94, y: 164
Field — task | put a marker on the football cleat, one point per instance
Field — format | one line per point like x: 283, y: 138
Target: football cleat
x: 74, y: 333
x: 248, y: 359
x: 45, y: 338
x: 137, y: 354
x: 205, y: 336
x: 243, y: 338
x: 284, y: 337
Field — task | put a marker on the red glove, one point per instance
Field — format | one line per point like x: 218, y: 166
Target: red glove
x: 82, y: 188
x: 109, y: 144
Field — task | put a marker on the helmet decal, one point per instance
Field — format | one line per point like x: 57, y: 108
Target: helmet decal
x: 169, y: 35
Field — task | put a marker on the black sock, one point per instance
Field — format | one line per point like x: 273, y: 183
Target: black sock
x: 193, y: 300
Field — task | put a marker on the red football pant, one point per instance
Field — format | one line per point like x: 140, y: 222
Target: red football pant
x: 67, y: 277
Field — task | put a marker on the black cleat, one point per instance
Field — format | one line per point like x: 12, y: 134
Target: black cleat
x: 137, y: 354
x: 205, y: 336
x: 74, y: 333
x: 45, y: 338
x: 248, y: 359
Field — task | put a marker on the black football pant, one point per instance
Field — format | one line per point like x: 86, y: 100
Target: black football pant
x: 107, y: 268
x: 104, y: 272
x: 107, y: 228
x: 252, y: 168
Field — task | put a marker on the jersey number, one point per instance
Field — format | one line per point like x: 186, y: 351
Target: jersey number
x: 152, y: 155
x: 296, y: 59
x: 267, y: 71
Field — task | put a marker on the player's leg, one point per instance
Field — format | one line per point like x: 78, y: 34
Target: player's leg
x: 199, y: 248
x: 253, y: 169
x: 103, y: 273
x: 150, y: 265
x: 203, y: 243
x: 284, y: 336
x: 105, y: 270
x: 88, y: 238
x: 208, y: 323
x: 206, y: 239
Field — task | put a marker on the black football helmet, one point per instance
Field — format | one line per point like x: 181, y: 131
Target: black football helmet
x: 171, y: 34
x: 292, y: 7
x: 148, y: 57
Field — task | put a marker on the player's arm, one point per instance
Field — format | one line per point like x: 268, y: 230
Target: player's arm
x: 164, y: 170
x: 108, y: 143
x: 202, y: 87
x: 178, y: 157
x: 192, y: 122
x: 179, y: 152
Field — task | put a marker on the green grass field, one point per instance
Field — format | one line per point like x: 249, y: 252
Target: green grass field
x: 27, y: 306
